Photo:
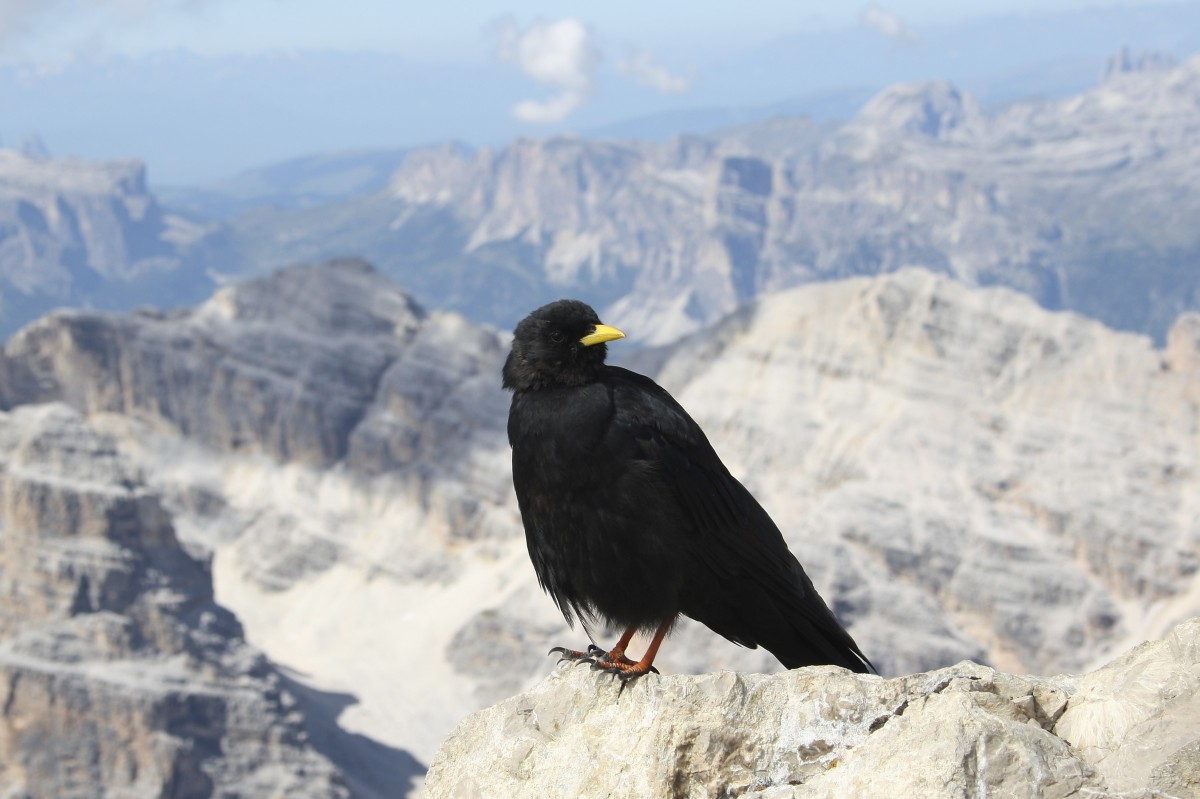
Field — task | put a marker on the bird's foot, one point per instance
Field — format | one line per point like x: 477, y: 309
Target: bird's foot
x: 618, y: 665
x: 621, y: 667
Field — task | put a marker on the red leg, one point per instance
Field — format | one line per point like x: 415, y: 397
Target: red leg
x: 617, y: 653
x: 616, y: 662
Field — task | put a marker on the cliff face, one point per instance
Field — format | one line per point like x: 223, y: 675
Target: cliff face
x: 119, y: 675
x: 963, y: 474
x: 336, y: 450
x: 962, y: 464
x: 1128, y: 729
x: 301, y: 367
x: 1082, y: 203
x: 75, y: 232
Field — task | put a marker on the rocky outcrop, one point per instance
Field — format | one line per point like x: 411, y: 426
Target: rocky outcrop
x: 1125, y: 62
x: 316, y: 365
x: 1062, y: 200
x: 963, y: 474
x: 75, y: 232
x: 1128, y: 729
x: 962, y: 463
x: 119, y: 674
x: 310, y: 429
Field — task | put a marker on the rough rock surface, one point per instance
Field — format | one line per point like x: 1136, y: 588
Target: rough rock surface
x: 304, y: 366
x: 964, y: 475
x: 935, y: 452
x: 1085, y: 203
x: 337, y: 451
x: 1128, y: 729
x: 76, y: 232
x: 119, y: 674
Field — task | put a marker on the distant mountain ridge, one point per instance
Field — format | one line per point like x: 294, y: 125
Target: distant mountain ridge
x: 80, y: 233
x: 1084, y: 203
x: 296, y: 183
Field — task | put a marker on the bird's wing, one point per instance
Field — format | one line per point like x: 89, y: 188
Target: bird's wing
x: 740, y: 535
x: 734, y: 542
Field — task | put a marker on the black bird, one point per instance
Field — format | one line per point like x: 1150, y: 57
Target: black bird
x: 630, y: 516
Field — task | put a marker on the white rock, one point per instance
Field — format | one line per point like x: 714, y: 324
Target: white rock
x: 961, y: 731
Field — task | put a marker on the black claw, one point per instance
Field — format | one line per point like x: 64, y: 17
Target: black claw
x: 575, y: 656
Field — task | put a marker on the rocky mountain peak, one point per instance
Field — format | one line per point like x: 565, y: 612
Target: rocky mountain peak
x: 36, y: 172
x: 120, y: 674
x: 1182, y: 352
x: 933, y: 110
x: 72, y: 230
x: 1125, y: 62
x: 342, y: 297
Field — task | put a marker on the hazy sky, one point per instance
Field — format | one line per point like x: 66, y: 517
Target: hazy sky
x: 323, y: 76
x: 675, y: 32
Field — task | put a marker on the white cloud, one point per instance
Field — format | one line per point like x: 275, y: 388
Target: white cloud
x: 561, y: 55
x: 640, y: 67
x: 886, y: 23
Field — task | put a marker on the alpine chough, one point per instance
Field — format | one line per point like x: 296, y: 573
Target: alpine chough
x: 630, y: 516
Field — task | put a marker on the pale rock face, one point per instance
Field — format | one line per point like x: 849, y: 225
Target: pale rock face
x: 964, y: 730
x: 1138, y: 718
x: 964, y: 476
x: 1183, y: 345
x: 287, y: 367
x: 339, y: 454
x: 985, y: 459
x: 119, y: 674
x: 69, y: 228
x: 1061, y: 200
x: 935, y: 110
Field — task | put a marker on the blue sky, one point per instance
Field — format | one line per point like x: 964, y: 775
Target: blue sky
x: 201, y: 89
x: 51, y: 30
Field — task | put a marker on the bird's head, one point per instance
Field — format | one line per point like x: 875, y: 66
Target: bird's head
x: 562, y: 343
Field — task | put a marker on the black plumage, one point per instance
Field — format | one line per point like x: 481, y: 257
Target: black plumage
x: 630, y: 516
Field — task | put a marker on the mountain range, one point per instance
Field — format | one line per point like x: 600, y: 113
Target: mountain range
x: 256, y: 518
x: 963, y: 473
x: 198, y: 116
x: 1084, y: 203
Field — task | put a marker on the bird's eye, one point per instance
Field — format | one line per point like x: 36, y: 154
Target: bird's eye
x: 557, y: 337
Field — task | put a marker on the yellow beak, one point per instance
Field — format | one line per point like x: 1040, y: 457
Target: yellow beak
x: 601, y: 334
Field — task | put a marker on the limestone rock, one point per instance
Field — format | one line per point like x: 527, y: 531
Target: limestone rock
x: 337, y: 451
x: 964, y: 730
x: 963, y: 474
x: 290, y: 366
x: 119, y: 674
x: 1063, y: 200
x: 76, y: 232
x: 969, y: 438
